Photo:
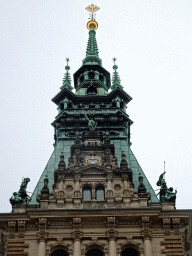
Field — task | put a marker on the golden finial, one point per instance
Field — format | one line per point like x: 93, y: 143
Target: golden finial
x: 92, y: 8
x: 92, y: 23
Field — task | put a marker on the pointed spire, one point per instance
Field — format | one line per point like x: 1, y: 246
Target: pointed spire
x: 92, y: 48
x: 116, y: 81
x: 92, y: 52
x: 67, y: 78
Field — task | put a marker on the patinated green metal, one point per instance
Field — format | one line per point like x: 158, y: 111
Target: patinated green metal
x: 21, y: 197
x: 106, y: 112
x: 91, y: 123
x: 166, y: 194
x: 92, y: 52
x: 116, y: 81
x: 67, y: 78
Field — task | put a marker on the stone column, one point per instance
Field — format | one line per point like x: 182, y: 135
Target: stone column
x: 77, y: 246
x: 42, y: 247
x: 112, y: 234
x: 77, y: 181
x: 147, y: 235
x: 112, y: 245
x: 61, y: 186
x: 147, y: 246
x: 42, y: 237
x: 77, y: 235
x: 125, y: 182
x: 109, y: 179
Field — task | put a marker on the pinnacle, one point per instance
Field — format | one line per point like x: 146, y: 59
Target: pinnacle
x: 67, y: 78
x: 116, y: 81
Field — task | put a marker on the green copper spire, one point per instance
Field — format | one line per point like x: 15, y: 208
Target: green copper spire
x: 92, y: 48
x: 67, y: 78
x: 92, y: 52
x: 116, y: 81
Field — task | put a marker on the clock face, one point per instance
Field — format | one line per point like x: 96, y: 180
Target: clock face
x: 92, y: 159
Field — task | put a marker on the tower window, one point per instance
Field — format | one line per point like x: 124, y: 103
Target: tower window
x: 87, y: 195
x: 91, y: 75
x: 101, y: 78
x: 100, y: 193
x: 91, y: 90
x: 81, y: 79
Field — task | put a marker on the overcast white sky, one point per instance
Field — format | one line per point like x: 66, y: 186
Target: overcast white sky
x: 152, y: 40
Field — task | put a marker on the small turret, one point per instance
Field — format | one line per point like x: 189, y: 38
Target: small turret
x: 116, y: 81
x: 142, y: 191
x: 59, y: 174
x: 67, y: 78
x: 124, y: 170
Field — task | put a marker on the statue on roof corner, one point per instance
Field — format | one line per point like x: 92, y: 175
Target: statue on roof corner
x: 166, y: 194
x: 21, y: 197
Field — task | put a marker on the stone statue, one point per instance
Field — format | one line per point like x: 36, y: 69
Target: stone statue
x: 21, y: 196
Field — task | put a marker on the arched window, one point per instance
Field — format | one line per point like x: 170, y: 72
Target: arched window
x: 59, y: 253
x: 100, y: 193
x: 130, y: 252
x: 94, y: 252
x: 87, y: 195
